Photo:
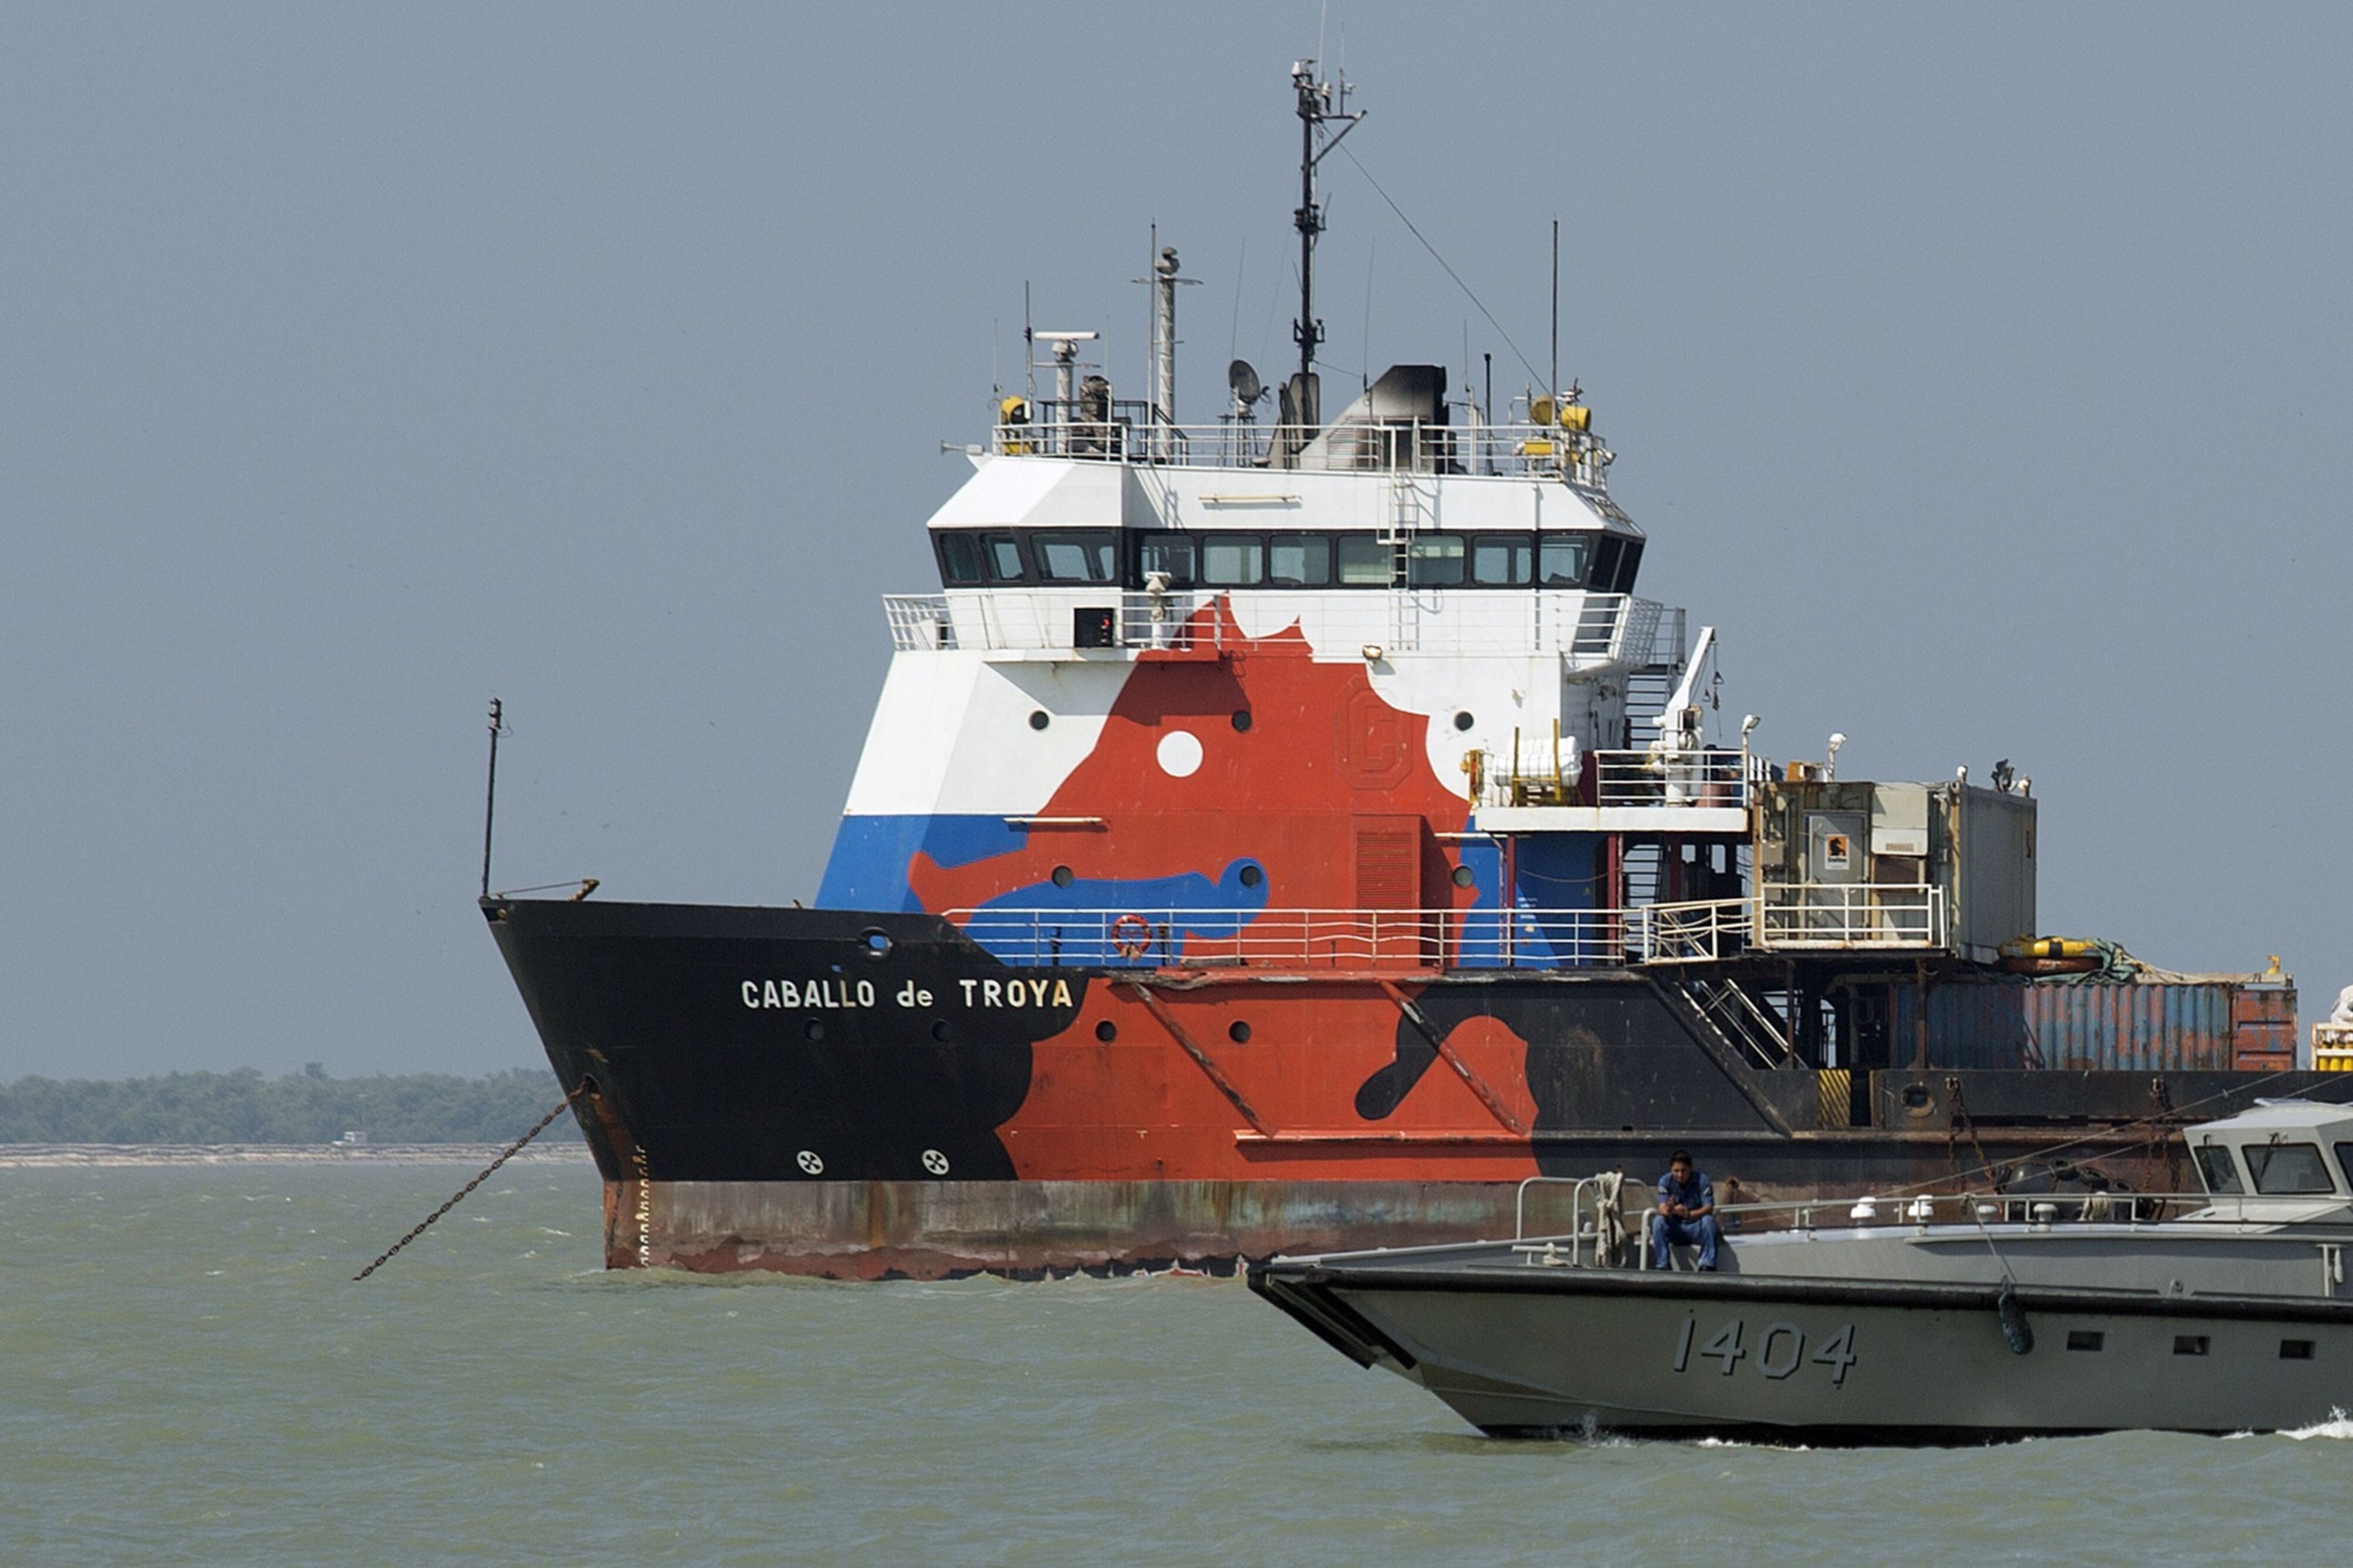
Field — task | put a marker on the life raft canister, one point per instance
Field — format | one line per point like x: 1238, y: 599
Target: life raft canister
x: 2052, y: 956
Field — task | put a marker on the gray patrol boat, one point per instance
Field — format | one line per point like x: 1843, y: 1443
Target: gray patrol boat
x: 1915, y: 1319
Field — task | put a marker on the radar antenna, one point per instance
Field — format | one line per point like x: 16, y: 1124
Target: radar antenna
x: 1321, y: 105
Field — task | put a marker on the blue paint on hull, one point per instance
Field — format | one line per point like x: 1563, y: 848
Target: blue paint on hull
x: 867, y: 869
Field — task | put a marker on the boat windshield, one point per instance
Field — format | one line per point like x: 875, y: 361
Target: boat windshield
x: 2280, y: 1169
x: 2218, y: 1170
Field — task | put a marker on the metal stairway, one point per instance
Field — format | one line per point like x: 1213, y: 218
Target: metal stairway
x: 1736, y: 1015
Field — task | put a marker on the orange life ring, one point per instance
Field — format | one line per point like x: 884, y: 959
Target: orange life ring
x: 1130, y: 935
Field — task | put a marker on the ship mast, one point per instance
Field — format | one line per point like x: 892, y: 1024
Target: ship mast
x: 1321, y: 104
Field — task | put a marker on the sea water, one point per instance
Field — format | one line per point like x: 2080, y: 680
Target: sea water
x: 191, y: 1375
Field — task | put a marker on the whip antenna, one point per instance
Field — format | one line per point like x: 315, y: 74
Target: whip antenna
x: 491, y: 789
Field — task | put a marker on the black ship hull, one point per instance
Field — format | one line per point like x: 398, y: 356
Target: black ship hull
x: 860, y: 1095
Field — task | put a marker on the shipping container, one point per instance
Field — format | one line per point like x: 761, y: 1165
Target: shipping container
x: 2194, y: 1026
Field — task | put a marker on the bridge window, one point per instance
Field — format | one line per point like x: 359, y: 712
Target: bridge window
x: 1073, y: 557
x: 1434, y: 561
x: 2218, y: 1170
x: 1605, y: 563
x: 1630, y: 559
x: 1561, y: 560
x: 2281, y: 1169
x: 960, y: 559
x: 1005, y: 563
x: 1168, y: 553
x: 1502, y: 561
x: 1233, y: 560
x: 1366, y: 562
x: 1298, y: 559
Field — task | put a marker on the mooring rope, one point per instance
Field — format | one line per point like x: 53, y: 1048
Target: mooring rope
x: 484, y: 1175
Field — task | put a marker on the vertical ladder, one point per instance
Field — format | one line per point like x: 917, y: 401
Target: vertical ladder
x: 1406, y: 515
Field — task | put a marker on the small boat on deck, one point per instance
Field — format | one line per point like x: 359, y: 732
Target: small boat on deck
x: 1914, y: 1319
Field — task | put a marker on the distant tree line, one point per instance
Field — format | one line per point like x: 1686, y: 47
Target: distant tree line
x: 307, y: 1107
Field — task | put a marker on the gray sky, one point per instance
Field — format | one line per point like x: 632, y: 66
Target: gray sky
x: 1979, y: 370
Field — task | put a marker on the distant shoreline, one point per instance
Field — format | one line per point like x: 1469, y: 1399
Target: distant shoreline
x: 29, y: 1156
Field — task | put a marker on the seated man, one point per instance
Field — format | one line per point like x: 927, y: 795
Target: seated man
x: 1686, y: 1213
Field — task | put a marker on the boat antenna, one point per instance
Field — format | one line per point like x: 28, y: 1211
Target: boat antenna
x: 1551, y: 387
x: 1321, y: 104
x: 1029, y: 347
x: 1160, y: 277
x: 491, y: 790
x: 1234, y: 331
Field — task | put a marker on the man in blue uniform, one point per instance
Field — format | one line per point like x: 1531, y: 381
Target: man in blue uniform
x: 1686, y: 1213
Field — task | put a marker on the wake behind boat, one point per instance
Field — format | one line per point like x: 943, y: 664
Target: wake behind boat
x: 1919, y: 1319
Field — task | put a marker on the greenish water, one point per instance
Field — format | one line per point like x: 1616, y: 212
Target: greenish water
x: 191, y: 1376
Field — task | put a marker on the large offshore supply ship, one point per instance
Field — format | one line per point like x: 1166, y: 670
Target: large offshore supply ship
x: 1292, y: 832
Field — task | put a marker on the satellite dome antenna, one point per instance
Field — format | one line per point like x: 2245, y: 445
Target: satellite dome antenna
x: 1243, y: 383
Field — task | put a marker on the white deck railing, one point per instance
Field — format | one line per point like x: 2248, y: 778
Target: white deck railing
x: 1403, y: 446
x: 1698, y: 931
x: 1850, y: 915
x: 1306, y: 939
x: 1592, y: 629
x: 1708, y: 777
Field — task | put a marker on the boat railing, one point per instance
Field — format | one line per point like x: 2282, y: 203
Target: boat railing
x: 1590, y: 629
x: 1651, y: 776
x: 1314, y: 938
x: 1131, y: 434
x: 1585, y: 1230
x: 1585, y: 1243
x: 1797, y: 915
x: 1699, y: 931
x: 1695, y: 932
x: 1916, y: 1210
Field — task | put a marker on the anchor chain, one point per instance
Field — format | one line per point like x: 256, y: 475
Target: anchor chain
x: 458, y: 1196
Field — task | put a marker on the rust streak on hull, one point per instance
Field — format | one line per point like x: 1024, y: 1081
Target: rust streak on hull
x: 932, y: 1230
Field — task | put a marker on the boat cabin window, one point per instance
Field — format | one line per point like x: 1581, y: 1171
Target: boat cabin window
x: 969, y: 560
x: 1298, y: 559
x: 1233, y: 560
x: 1366, y: 562
x: 2280, y: 1169
x: 2345, y: 1159
x: 1606, y: 552
x: 1434, y: 561
x: 960, y: 559
x: 2218, y: 1170
x: 1630, y: 560
x: 1005, y: 561
x: 1615, y: 561
x: 1560, y: 562
x: 1500, y: 559
x: 1168, y: 553
x: 975, y: 558
x: 1077, y: 556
